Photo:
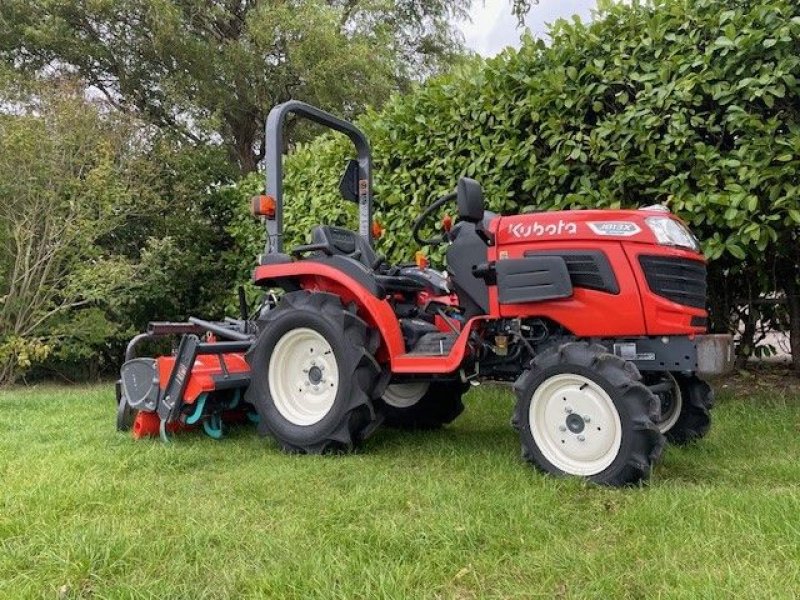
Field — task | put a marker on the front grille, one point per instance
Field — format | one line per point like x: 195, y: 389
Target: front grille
x: 678, y: 279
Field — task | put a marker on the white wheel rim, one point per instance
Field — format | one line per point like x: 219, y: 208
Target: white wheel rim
x: 575, y: 424
x: 303, y: 376
x: 405, y: 395
x: 668, y: 422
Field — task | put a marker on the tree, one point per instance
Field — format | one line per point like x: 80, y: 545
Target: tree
x: 66, y: 184
x: 207, y: 71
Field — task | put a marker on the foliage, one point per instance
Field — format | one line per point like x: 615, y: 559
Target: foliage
x: 212, y: 70
x: 105, y: 225
x: 690, y: 103
x: 63, y: 187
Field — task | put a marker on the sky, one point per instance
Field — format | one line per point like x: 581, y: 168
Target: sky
x: 493, y: 27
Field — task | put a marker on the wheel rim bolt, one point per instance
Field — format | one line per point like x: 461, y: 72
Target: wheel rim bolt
x: 568, y: 410
x: 562, y: 427
x: 581, y: 438
x: 587, y: 418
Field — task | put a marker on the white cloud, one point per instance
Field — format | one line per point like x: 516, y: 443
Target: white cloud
x: 493, y: 27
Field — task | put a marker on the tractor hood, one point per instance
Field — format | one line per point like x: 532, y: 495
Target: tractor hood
x: 647, y: 226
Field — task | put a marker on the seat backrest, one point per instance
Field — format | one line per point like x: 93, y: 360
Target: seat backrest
x: 468, y: 250
x: 346, y: 243
x: 469, y: 198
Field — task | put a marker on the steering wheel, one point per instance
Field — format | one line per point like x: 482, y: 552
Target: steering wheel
x: 439, y: 239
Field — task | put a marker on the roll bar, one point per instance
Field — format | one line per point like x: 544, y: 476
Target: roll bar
x: 274, y: 163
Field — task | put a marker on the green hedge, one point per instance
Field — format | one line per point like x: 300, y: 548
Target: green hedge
x: 690, y: 103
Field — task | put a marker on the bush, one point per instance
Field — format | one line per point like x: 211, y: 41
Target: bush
x: 690, y: 103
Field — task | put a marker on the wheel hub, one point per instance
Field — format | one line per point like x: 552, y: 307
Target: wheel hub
x: 303, y: 376
x: 315, y: 375
x: 575, y: 423
x: 671, y: 401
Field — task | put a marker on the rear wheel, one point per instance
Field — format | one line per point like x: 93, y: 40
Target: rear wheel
x: 582, y: 411
x: 313, y: 375
x: 423, y: 404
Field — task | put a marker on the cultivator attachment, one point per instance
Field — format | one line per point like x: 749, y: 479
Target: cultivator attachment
x: 201, y: 384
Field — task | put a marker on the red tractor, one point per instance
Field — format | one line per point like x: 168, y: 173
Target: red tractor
x: 597, y: 317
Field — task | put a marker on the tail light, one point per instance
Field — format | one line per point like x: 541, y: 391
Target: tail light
x: 263, y: 206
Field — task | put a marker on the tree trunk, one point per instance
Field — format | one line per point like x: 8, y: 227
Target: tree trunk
x: 792, y: 290
x: 747, y: 340
x: 242, y: 150
x: 7, y: 371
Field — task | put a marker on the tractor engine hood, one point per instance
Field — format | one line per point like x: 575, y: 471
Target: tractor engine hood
x: 655, y: 226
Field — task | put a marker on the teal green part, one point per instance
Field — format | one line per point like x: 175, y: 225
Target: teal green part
x: 254, y: 417
x: 213, y: 426
x: 198, y: 410
x: 237, y: 394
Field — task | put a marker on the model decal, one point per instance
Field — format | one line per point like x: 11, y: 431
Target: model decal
x: 614, y: 228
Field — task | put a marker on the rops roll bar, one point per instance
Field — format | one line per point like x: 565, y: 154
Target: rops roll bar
x: 274, y: 163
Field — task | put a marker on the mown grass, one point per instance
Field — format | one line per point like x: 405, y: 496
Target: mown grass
x: 87, y: 512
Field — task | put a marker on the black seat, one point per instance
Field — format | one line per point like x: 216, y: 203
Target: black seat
x: 344, y: 242
x: 468, y: 249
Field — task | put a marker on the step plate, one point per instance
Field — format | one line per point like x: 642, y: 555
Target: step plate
x: 434, y: 344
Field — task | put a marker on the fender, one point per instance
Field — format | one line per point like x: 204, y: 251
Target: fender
x: 317, y: 276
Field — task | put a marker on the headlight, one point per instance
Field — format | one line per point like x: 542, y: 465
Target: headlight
x: 670, y: 232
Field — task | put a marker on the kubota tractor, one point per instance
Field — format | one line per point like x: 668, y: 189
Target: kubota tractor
x: 597, y: 317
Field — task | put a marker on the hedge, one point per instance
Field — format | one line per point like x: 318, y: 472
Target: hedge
x: 689, y: 103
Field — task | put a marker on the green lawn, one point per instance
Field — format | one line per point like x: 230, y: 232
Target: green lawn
x: 87, y: 512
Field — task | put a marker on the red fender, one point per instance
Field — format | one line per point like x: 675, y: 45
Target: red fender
x: 318, y: 277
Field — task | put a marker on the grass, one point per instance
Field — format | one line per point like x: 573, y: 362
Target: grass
x: 86, y: 512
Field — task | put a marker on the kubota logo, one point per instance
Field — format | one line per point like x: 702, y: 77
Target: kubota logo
x: 537, y: 229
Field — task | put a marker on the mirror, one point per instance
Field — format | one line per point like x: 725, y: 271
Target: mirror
x: 348, y: 185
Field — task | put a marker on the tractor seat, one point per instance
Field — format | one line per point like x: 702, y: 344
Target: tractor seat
x: 344, y: 242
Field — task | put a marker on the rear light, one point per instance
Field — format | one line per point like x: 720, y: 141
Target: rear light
x: 377, y: 230
x: 263, y: 206
x: 669, y: 232
x: 421, y: 260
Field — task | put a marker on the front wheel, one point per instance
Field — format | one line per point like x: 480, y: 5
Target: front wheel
x: 582, y: 411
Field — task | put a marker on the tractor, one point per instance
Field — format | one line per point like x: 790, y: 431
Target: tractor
x: 595, y: 317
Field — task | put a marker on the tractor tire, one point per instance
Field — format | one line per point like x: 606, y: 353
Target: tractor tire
x: 125, y: 415
x: 424, y: 405
x: 582, y: 411
x: 693, y: 420
x: 314, y: 376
